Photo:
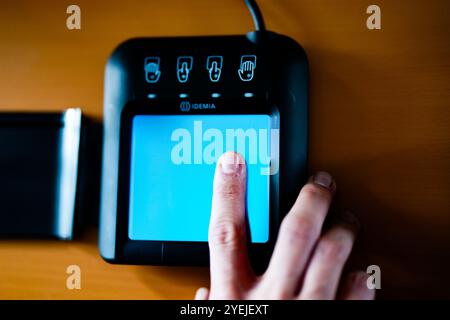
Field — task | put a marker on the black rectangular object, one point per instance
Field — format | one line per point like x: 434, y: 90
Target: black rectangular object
x: 136, y: 84
x: 44, y: 161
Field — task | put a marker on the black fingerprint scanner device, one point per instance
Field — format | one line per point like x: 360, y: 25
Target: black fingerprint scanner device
x: 172, y: 107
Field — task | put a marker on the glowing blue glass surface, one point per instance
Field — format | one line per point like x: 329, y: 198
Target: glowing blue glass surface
x: 171, y: 201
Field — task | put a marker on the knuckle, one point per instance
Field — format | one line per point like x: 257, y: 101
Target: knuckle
x: 220, y: 294
x: 226, y: 234
x: 313, y: 193
x: 279, y: 293
x: 229, y: 189
x: 269, y: 289
x: 270, y: 293
x: 299, y: 229
x: 334, y: 249
x: 317, y: 293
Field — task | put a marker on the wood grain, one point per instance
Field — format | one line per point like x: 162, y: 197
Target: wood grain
x: 379, y: 121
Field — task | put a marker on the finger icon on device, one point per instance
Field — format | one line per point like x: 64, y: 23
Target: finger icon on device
x: 184, y: 67
x: 214, y: 66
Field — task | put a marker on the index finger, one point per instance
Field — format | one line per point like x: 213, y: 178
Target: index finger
x: 229, y: 264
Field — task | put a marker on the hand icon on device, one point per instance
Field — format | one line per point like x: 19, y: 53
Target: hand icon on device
x: 152, y: 70
x: 247, y: 68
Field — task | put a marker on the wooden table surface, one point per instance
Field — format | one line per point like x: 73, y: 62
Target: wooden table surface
x: 379, y: 121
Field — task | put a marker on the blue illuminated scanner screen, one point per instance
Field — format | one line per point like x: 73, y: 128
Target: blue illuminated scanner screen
x: 173, y: 159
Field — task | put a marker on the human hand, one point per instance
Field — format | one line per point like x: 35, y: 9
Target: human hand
x: 305, y: 264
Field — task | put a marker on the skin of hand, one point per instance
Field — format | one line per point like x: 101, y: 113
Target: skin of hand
x: 305, y: 264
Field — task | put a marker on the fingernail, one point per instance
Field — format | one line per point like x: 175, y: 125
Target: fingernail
x: 231, y: 162
x: 350, y: 219
x: 323, y: 179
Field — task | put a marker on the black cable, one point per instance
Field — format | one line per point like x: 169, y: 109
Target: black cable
x: 256, y: 14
